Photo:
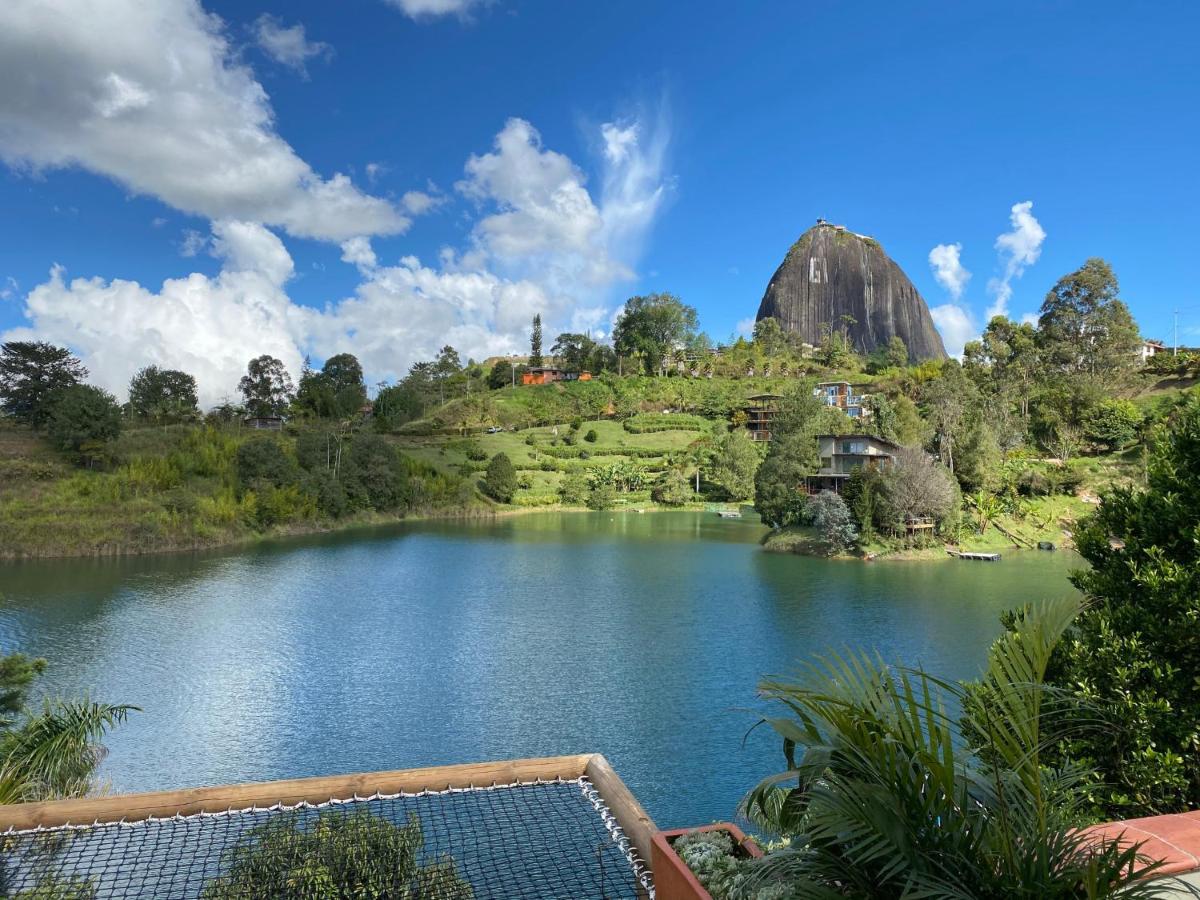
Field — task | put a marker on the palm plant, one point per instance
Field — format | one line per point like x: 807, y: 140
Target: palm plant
x: 890, y: 793
x: 52, y: 752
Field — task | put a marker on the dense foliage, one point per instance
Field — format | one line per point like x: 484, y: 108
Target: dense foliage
x: 882, y: 799
x: 1135, y: 651
x: 500, y: 482
x: 163, y: 396
x: 357, y: 855
x: 32, y: 375
x: 83, y: 416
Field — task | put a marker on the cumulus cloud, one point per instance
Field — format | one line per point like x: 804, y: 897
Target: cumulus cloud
x: 956, y: 326
x: 152, y: 96
x: 419, y: 202
x: 430, y: 9
x: 193, y: 243
x: 480, y: 300
x: 946, y: 262
x: 1018, y: 249
x: 209, y: 327
x: 745, y: 327
x: 289, y: 45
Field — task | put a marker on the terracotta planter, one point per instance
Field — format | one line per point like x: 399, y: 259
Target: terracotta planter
x: 673, y: 880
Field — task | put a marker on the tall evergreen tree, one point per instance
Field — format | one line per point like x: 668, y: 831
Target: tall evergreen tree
x: 535, y: 342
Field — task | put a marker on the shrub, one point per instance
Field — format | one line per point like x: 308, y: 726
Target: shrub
x: 735, y: 464
x: 1135, y: 651
x: 591, y: 437
x: 355, y: 855
x: 525, y: 481
x: 262, y: 461
x: 373, y: 474
x: 574, y: 490
x: 476, y: 452
x: 651, y: 422
x: 601, y: 496
x: 83, y: 415
x: 1113, y: 423
x: 672, y: 489
x: 500, y: 480
x: 833, y: 521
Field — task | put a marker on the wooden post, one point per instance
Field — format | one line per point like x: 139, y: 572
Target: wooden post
x: 634, y: 821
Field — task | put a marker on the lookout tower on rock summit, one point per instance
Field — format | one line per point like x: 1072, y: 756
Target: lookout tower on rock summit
x: 832, y: 272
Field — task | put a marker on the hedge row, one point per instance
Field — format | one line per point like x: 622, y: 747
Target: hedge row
x: 650, y: 422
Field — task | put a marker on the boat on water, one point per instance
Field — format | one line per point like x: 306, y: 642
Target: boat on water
x: 729, y: 514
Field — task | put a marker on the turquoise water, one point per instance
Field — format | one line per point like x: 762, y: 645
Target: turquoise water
x: 638, y: 636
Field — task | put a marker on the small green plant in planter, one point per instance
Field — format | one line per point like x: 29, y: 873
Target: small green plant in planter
x: 713, y: 858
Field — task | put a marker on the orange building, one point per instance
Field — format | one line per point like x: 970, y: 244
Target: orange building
x: 551, y: 374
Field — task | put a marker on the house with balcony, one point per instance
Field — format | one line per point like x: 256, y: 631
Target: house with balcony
x: 841, y: 454
x: 842, y: 395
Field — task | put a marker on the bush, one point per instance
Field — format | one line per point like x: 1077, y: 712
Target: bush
x: 84, y: 415
x: 500, y: 480
x: 833, y: 522
x: 352, y: 855
x: 601, y: 496
x: 672, y: 489
x: 651, y: 422
x: 574, y: 490
x: 1113, y: 423
x: 373, y: 474
x: 476, y: 452
x: 1134, y: 654
x: 261, y: 461
x: 591, y: 437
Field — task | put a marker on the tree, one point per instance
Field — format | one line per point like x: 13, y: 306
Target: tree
x: 261, y: 462
x: 84, y: 415
x: 892, y: 355
x: 947, y: 399
x: 1113, y: 423
x: 505, y: 373
x: 266, y: 387
x: 1133, y: 655
x: 916, y: 487
x: 979, y: 457
x: 575, y: 352
x: 500, y: 480
x: 32, y: 374
x: 1084, y: 329
x: 791, y: 457
x: 356, y: 854
x: 650, y: 326
x: 833, y: 522
x: 888, y: 793
x: 535, y: 341
x: 910, y: 428
x: 53, y: 751
x: 163, y: 395
x: 672, y: 489
x: 734, y: 464
x: 445, y: 367
x: 769, y: 336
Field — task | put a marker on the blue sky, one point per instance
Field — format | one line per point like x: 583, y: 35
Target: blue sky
x: 381, y: 176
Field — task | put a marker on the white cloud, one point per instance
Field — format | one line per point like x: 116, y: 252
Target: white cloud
x: 210, y: 327
x: 9, y: 289
x: 418, y: 203
x: 745, y: 327
x: 1018, y: 249
x: 481, y: 301
x: 357, y: 251
x: 374, y: 170
x: 288, y: 46
x: 946, y: 262
x: 152, y: 96
x: 428, y: 9
x: 193, y: 243
x: 956, y: 326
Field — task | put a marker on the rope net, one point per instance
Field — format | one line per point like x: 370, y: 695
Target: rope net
x: 545, y: 839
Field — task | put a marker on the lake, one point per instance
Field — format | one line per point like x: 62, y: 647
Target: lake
x: 638, y: 636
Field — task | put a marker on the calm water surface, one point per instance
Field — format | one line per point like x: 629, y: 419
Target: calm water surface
x: 638, y: 636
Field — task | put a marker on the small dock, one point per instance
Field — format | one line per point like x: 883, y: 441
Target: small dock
x: 982, y: 557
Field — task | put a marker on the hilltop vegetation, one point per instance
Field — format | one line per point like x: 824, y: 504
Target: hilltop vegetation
x: 1010, y: 447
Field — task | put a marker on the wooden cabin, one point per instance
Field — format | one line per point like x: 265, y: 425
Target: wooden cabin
x: 841, y: 454
x: 760, y: 414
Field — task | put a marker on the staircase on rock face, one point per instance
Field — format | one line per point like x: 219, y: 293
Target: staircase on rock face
x: 832, y: 272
